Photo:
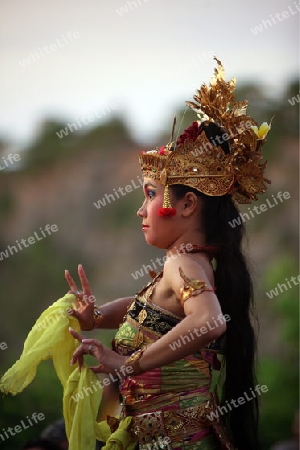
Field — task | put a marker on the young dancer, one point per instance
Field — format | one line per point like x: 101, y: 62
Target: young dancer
x: 194, y: 316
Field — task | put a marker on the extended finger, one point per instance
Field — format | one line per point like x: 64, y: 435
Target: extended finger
x: 77, y: 358
x: 93, y: 342
x: 75, y: 334
x: 84, y: 281
x: 79, y: 353
x: 70, y: 281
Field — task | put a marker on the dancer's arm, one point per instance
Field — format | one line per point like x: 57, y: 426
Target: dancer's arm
x: 203, y: 322
x: 113, y: 312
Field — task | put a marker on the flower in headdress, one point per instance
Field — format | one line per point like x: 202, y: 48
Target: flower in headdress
x: 191, y: 132
x: 262, y: 131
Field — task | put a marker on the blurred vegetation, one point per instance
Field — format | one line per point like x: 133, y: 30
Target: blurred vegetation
x: 59, y: 181
x: 280, y: 371
x: 49, y: 148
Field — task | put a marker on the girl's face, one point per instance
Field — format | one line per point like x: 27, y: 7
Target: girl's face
x: 159, y: 231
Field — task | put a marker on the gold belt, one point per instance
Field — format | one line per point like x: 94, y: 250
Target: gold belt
x: 178, y: 424
x: 175, y: 424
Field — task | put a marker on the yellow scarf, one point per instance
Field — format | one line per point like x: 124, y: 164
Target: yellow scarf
x: 50, y: 338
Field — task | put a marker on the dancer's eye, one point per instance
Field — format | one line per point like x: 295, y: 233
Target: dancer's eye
x: 151, y: 194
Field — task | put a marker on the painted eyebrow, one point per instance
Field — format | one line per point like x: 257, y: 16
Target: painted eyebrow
x: 148, y: 185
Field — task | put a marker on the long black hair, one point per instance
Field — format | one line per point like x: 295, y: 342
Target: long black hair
x: 235, y: 293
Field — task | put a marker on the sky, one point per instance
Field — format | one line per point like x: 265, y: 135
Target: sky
x: 141, y: 59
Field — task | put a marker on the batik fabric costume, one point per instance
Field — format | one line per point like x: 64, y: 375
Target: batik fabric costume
x: 170, y: 405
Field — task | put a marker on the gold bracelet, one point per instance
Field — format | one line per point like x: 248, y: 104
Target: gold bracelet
x: 98, y: 316
x: 133, y: 361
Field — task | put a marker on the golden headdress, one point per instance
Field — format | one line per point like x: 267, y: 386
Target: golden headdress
x: 219, y: 154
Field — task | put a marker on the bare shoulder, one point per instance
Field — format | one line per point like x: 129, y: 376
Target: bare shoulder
x: 193, y: 266
x: 190, y: 278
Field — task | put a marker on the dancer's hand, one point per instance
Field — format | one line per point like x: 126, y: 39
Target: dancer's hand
x: 109, y: 361
x: 84, y: 312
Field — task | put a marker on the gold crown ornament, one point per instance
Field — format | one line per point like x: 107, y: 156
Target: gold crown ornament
x: 219, y: 154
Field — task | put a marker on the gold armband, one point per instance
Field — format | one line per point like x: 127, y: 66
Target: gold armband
x: 191, y: 287
x: 133, y: 361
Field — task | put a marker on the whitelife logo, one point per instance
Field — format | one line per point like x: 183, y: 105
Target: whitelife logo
x: 3, y: 345
x: 46, y: 50
x: 9, y: 160
x: 274, y: 292
x: 270, y: 203
x: 73, y: 126
x: 115, y: 195
x: 131, y: 4
x: 277, y: 18
x: 11, y: 431
x: 11, y: 250
x: 101, y: 383
x: 224, y: 409
x: 294, y: 100
x: 147, y: 268
x: 184, y: 339
x: 220, y: 139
